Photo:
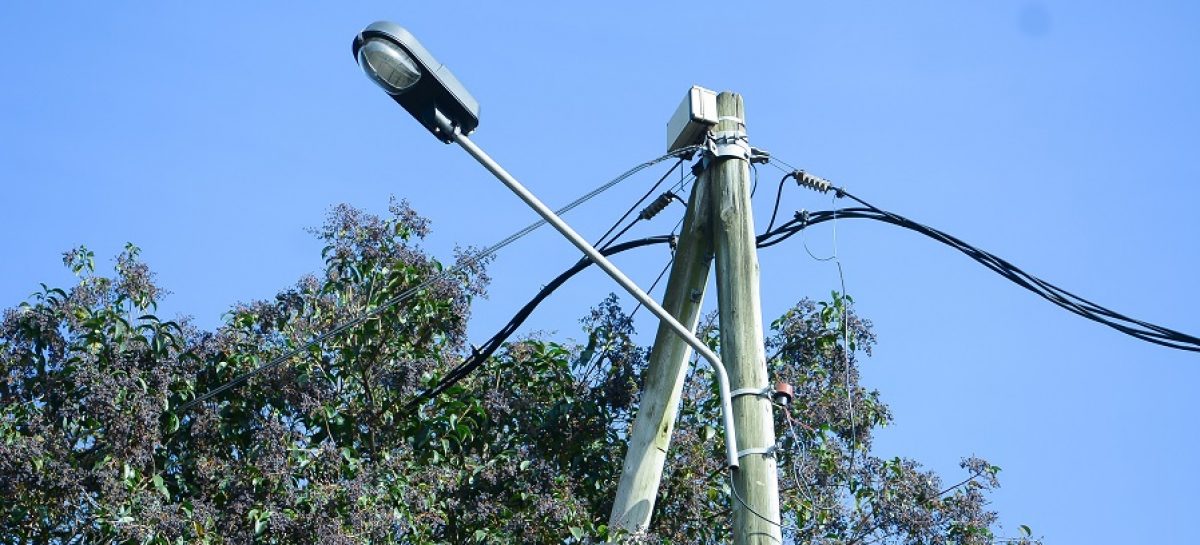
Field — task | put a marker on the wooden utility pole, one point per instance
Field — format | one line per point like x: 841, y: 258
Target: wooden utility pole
x: 756, y: 482
x: 651, y: 433
x: 718, y: 219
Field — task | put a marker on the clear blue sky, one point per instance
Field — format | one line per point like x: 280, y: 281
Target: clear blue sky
x: 1062, y: 136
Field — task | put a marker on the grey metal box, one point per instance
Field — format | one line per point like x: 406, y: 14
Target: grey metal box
x: 692, y: 118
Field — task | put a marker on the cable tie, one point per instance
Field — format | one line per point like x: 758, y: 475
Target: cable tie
x: 802, y: 217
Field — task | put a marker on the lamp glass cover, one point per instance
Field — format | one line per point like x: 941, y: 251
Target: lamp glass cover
x: 388, y: 66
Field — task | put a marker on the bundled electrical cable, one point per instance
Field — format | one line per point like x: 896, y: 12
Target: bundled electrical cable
x: 1069, y: 301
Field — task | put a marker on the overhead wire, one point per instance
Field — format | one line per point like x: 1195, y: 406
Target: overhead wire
x: 1149, y: 332
x: 1062, y: 298
x: 657, y: 205
x: 802, y: 179
x: 1083, y: 307
x: 665, y: 268
x: 472, y: 261
x: 483, y: 352
x: 636, y: 204
x: 778, y: 199
x: 733, y: 491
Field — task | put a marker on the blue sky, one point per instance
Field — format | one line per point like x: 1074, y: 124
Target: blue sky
x: 1061, y: 136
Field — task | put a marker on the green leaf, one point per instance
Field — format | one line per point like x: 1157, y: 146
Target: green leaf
x: 161, y: 487
x: 1026, y: 531
x: 524, y: 465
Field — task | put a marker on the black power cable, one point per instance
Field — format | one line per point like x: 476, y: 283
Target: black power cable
x: 1062, y: 298
x: 480, y: 355
x: 1078, y: 305
x: 778, y: 197
x: 483, y: 352
x: 471, y: 261
x: 649, y: 192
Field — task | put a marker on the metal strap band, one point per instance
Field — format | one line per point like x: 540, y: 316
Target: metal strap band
x: 733, y: 144
x: 761, y: 392
x: 733, y: 118
x: 765, y: 451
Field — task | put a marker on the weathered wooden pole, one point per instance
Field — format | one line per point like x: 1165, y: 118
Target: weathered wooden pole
x: 651, y: 433
x: 756, y: 507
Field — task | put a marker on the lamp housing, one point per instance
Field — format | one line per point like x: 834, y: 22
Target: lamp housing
x: 393, y: 58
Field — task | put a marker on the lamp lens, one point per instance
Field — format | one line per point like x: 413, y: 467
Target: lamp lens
x: 388, y: 65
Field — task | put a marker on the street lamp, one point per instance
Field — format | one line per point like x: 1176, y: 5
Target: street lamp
x: 396, y: 61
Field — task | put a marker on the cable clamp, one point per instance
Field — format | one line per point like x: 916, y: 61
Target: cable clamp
x: 729, y: 144
x: 765, y: 451
x: 732, y: 118
x: 765, y: 391
x: 759, y: 156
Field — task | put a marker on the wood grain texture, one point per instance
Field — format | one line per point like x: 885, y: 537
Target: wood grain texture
x: 655, y: 421
x: 742, y: 347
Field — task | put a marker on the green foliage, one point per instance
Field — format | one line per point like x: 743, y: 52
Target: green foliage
x: 528, y: 449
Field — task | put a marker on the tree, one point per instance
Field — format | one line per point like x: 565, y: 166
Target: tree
x: 94, y: 448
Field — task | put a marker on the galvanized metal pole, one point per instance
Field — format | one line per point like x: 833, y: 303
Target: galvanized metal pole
x: 756, y: 516
x: 651, y: 432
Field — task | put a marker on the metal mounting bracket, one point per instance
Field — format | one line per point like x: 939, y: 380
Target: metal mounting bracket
x: 728, y: 144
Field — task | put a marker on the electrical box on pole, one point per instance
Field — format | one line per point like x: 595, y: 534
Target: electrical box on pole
x: 692, y: 119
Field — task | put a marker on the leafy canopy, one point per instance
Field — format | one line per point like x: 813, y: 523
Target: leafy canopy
x: 528, y: 449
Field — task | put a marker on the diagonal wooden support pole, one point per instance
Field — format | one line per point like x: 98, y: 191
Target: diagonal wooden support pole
x: 655, y: 421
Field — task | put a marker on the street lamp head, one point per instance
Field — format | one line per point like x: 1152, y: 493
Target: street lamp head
x: 394, y: 59
x: 388, y: 65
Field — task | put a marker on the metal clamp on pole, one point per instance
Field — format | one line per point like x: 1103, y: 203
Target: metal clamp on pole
x: 765, y: 451
x: 765, y: 391
x: 729, y: 144
x: 741, y: 122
